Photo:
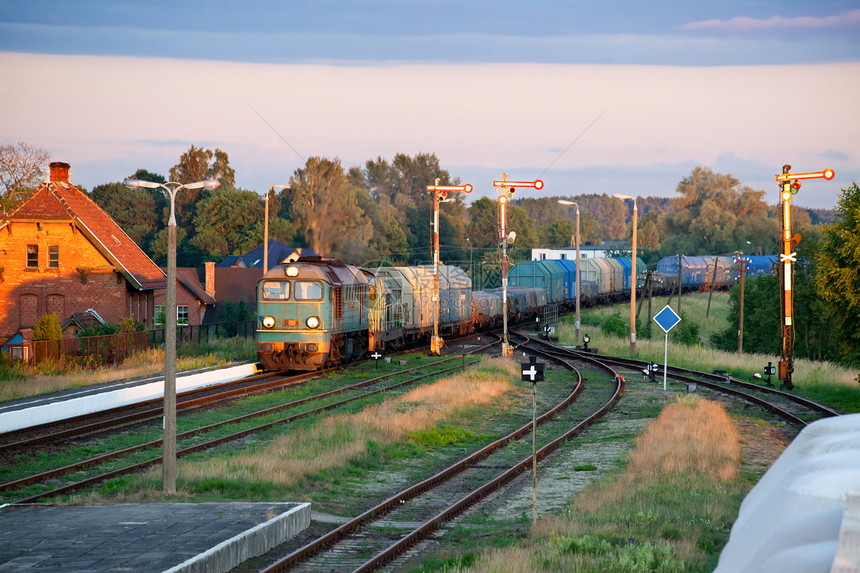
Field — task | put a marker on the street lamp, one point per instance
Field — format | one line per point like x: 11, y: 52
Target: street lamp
x: 266, y: 228
x: 632, y: 275
x: 565, y: 202
x: 169, y: 439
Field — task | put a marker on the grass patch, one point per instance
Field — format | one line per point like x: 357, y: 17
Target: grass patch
x: 669, y: 509
x: 825, y: 382
x: 340, y: 448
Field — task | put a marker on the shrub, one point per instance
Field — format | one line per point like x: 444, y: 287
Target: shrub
x: 48, y: 328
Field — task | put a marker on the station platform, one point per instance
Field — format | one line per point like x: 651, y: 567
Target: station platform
x: 56, y: 406
x: 169, y: 537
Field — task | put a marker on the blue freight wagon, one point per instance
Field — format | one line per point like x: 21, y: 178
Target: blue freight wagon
x: 539, y: 274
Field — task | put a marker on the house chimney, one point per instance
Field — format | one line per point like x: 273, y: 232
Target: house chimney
x: 210, y: 279
x: 59, y: 172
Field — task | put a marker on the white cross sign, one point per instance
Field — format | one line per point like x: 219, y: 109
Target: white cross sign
x: 376, y: 355
x: 532, y: 371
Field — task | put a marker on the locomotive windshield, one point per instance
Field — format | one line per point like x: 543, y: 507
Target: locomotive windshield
x: 276, y: 290
x: 307, y: 291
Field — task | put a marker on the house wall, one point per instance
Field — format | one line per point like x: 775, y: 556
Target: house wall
x: 185, y: 297
x: 84, y: 279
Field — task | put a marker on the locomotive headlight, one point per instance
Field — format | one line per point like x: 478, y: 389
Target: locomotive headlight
x: 292, y: 271
x: 313, y: 322
x: 268, y: 321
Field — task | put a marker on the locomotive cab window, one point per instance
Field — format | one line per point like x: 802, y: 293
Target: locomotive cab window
x: 304, y: 290
x: 276, y: 290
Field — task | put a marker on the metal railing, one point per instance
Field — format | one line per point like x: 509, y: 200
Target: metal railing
x: 114, y: 348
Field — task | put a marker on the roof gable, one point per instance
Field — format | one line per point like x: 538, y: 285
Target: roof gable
x: 54, y: 201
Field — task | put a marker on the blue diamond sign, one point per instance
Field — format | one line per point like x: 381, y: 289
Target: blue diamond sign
x: 667, y: 319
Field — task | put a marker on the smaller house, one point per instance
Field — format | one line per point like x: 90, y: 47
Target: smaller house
x: 81, y: 321
x: 20, y: 346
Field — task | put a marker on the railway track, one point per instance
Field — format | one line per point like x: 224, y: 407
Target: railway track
x: 415, y: 513
x: 41, y: 485
x: 790, y: 407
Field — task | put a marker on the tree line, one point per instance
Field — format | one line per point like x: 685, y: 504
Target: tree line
x: 380, y: 213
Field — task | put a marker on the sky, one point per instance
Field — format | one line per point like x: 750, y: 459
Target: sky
x: 608, y: 96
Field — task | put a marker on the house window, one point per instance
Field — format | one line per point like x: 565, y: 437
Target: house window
x: 54, y: 257
x: 32, y: 256
x: 181, y: 314
x: 159, y: 315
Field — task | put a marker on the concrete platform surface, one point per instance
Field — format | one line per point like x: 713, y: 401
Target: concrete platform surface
x: 175, y: 537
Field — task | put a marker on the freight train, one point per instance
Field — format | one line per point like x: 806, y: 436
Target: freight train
x: 315, y: 311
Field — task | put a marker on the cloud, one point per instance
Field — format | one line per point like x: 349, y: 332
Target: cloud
x: 745, y: 24
x: 835, y: 155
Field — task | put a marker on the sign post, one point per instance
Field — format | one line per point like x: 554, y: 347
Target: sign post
x: 789, y: 186
x: 533, y: 372
x: 666, y: 319
x: 439, y: 192
x: 506, y: 191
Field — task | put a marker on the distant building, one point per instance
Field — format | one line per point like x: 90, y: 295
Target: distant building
x: 253, y: 259
x: 60, y: 253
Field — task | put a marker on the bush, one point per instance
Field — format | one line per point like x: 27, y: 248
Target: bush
x: 48, y: 328
x: 615, y: 326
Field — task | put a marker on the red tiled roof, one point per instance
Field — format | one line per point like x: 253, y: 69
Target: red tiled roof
x: 63, y: 201
x: 189, y: 279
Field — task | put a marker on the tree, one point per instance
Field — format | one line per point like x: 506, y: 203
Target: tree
x: 48, y: 328
x: 228, y: 222
x: 839, y: 271
x: 716, y: 215
x: 134, y: 210
x: 198, y: 164
x: 560, y: 233
x: 324, y: 207
x: 20, y: 171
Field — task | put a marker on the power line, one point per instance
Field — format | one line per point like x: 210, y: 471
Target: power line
x: 572, y: 142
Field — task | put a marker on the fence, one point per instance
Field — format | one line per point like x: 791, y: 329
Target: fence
x: 114, y: 348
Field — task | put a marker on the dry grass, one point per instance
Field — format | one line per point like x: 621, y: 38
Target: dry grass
x: 335, y: 440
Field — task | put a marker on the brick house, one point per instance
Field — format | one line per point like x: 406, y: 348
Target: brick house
x: 193, y: 301
x: 60, y: 253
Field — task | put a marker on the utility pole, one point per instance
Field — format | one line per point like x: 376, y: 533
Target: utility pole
x: 743, y: 264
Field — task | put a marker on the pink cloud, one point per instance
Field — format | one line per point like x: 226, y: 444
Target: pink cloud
x: 743, y: 23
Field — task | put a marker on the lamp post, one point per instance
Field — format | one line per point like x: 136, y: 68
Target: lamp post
x: 266, y: 228
x: 632, y: 275
x: 471, y: 268
x: 565, y: 202
x: 169, y: 439
x: 439, y: 192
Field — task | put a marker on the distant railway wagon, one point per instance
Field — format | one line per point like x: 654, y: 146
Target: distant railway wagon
x: 568, y: 269
x: 694, y: 270
x: 760, y: 264
x: 539, y: 274
x: 627, y: 268
x: 722, y: 271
